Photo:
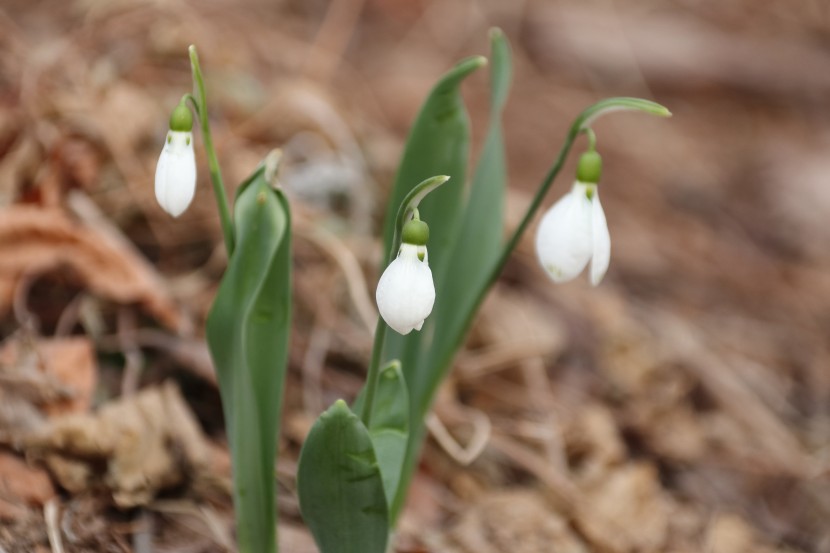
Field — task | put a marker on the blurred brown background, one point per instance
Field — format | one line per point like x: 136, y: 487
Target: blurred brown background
x: 681, y: 406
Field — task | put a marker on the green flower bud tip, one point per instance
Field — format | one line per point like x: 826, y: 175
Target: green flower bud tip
x: 415, y: 232
x: 589, y: 168
x: 181, y: 119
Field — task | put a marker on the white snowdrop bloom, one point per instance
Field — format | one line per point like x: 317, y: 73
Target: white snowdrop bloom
x: 176, y: 173
x: 406, y: 293
x: 574, y: 232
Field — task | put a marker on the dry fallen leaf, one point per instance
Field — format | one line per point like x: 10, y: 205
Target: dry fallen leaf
x: 518, y: 521
x: 21, y: 486
x: 729, y: 533
x: 142, y: 444
x: 34, y: 241
x: 62, y: 372
x: 596, y: 439
x: 627, y: 511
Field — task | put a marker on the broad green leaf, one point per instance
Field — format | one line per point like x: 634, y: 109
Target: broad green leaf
x: 437, y: 145
x: 473, y: 254
x: 389, y: 428
x: 479, y: 243
x: 340, y: 485
x: 247, y: 332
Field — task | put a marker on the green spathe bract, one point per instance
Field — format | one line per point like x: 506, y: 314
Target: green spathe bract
x: 247, y: 332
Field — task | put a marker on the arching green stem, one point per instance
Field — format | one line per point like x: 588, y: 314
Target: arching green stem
x: 592, y: 138
x: 200, y: 105
x: 580, y: 124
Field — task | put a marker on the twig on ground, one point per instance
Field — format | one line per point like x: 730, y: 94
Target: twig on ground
x: 133, y: 358
x: 51, y: 512
x: 482, y: 429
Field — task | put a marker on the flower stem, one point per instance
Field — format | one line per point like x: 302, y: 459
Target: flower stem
x: 213, y: 162
x: 408, y: 208
x: 581, y: 124
x: 373, y: 373
x: 592, y: 138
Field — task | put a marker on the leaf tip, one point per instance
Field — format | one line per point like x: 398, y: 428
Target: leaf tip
x: 495, y: 33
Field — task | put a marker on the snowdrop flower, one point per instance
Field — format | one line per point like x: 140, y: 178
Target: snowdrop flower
x: 176, y: 169
x: 405, y: 292
x: 574, y: 231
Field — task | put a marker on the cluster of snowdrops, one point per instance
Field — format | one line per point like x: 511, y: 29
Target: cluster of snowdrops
x: 357, y: 460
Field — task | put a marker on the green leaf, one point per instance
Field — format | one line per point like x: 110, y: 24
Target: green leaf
x: 389, y: 428
x: 475, y: 250
x: 247, y: 332
x: 437, y: 145
x: 479, y: 243
x: 340, y: 485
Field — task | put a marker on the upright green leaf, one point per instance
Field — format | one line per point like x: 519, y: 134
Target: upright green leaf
x: 479, y: 242
x: 471, y: 257
x: 247, y: 332
x: 340, y: 485
x: 438, y: 144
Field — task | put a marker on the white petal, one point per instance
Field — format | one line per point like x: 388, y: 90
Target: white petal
x: 176, y: 173
x: 601, y: 239
x: 406, y: 293
x: 563, y: 241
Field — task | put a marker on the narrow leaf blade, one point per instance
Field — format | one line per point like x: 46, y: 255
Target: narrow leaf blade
x: 247, y: 333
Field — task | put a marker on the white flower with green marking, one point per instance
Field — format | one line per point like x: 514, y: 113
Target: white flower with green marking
x: 406, y: 292
x: 574, y: 232
x: 176, y: 169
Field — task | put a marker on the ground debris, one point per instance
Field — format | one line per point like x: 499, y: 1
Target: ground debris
x: 136, y: 447
x: 627, y: 511
x: 58, y: 375
x: 519, y: 521
x: 21, y: 486
x: 34, y: 241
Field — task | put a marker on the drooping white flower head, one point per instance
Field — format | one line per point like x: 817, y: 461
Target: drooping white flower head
x: 176, y: 169
x: 574, y: 231
x: 405, y: 292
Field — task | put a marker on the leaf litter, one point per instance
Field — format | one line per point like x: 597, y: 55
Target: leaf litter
x: 679, y: 407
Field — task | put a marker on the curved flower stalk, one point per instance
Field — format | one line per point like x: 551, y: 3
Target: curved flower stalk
x: 405, y: 292
x: 176, y: 170
x: 574, y: 231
